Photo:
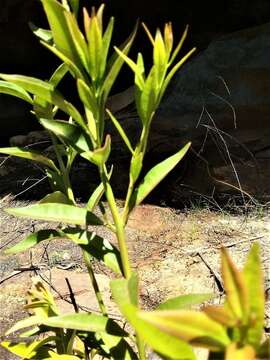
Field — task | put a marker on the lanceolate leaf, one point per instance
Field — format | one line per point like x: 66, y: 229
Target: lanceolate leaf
x: 32, y: 240
x: 167, y: 345
x: 235, y: 287
x: 254, y: 279
x: 14, y: 90
x: 58, y: 75
x: 116, y: 63
x: 97, y: 194
x: 46, y: 91
x: 70, y: 133
x: 184, y: 301
x: 101, y: 155
x: 116, y: 346
x: 30, y: 155
x: 191, y: 326
x: 58, y: 213
x: 85, y: 322
x: 60, y: 30
x: 42, y: 34
x: 155, y: 176
x: 121, y: 131
x: 97, y: 247
x: 75, y: 6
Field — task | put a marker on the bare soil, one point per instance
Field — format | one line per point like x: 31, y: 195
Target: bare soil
x: 175, y: 252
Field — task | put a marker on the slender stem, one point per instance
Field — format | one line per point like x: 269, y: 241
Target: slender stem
x: 126, y: 207
x: 141, y: 348
x: 94, y: 283
x: 63, y: 169
x: 118, y: 222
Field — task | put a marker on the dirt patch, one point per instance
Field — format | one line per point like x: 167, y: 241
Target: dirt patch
x: 174, y: 252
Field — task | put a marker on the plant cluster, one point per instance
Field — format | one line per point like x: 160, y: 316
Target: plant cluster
x: 231, y: 332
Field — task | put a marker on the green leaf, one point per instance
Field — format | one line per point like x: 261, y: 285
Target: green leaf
x: 42, y: 34
x: 155, y: 176
x: 32, y: 240
x: 97, y: 194
x: 120, y: 131
x: 15, y: 90
x: 46, y: 91
x: 55, y: 356
x: 136, y: 165
x: 184, y: 301
x: 58, y: 213
x: 148, y: 99
x: 191, y: 326
x: 116, y: 63
x: 75, y: 6
x: 87, y: 96
x: 73, y: 68
x: 106, y: 41
x: 174, y: 70
x: 117, y: 347
x: 167, y: 345
x: 29, y: 350
x: 29, y: 155
x: 160, y: 57
x: 58, y: 75
x: 70, y: 133
x: 255, y: 286
x: 94, y: 37
x: 133, y: 67
x: 78, y: 39
x: 244, y: 353
x: 24, y: 323
x: 55, y: 197
x: 61, y: 35
x: 85, y: 322
x: 101, y: 155
x: 235, y: 287
x: 97, y: 247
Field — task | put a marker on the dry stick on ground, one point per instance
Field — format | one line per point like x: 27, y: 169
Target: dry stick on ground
x: 213, y: 273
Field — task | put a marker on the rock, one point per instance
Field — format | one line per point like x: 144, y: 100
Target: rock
x: 39, y: 139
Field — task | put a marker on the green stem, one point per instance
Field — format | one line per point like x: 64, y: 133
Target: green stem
x: 126, y: 207
x: 141, y: 348
x: 63, y: 170
x: 118, y: 222
x: 94, y: 283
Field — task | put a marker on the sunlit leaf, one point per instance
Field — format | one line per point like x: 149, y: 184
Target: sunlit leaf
x: 45, y: 90
x: 97, y: 194
x: 156, y: 175
x: 235, y: 287
x: 97, y: 247
x: 192, y: 326
x: 221, y: 314
x: 115, y: 64
x: 106, y: 41
x: 101, y: 155
x: 58, y: 213
x: 244, y: 353
x: 32, y: 240
x: 117, y: 347
x: 255, y: 286
x: 120, y: 131
x: 78, y: 39
x: 85, y: 322
x: 42, y: 34
x: 55, y: 197
x: 184, y: 301
x: 72, y: 66
x: 15, y: 90
x: 58, y: 75
x: 165, y: 344
x: 70, y: 133
x: 29, y: 155
x: 61, y: 35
